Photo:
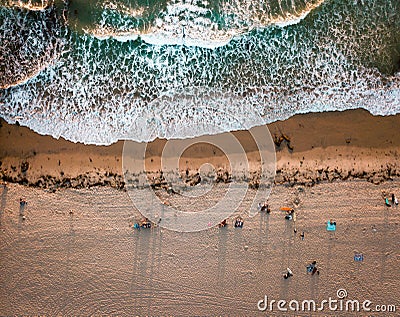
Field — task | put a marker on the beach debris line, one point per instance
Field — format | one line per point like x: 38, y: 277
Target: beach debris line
x: 24, y: 166
x: 194, y: 180
x: 279, y: 139
x: 223, y: 177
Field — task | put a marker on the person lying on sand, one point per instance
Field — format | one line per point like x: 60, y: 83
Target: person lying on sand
x: 222, y: 224
x: 288, y: 274
x: 290, y: 214
x: 312, y: 268
x: 387, y: 203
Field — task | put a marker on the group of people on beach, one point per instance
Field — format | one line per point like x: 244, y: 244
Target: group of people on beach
x: 22, y: 202
x: 394, y: 201
x: 311, y: 269
x: 144, y: 223
x: 264, y: 207
x: 239, y: 222
x: 289, y: 215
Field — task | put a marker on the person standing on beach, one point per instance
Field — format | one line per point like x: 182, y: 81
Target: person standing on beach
x: 294, y: 221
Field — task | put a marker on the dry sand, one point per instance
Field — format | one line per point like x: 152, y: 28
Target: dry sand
x: 92, y: 262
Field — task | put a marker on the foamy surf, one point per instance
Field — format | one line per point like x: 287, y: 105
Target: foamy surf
x: 32, y: 5
x: 95, y: 89
x: 194, y: 23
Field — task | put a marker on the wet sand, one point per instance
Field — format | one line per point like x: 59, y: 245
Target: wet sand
x: 92, y: 262
x: 326, y: 146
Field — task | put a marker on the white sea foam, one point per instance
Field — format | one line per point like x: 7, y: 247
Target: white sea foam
x: 27, y: 46
x: 35, y: 5
x: 103, y: 34
x: 102, y: 91
x: 191, y: 23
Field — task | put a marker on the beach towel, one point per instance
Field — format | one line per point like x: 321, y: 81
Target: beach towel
x: 331, y: 226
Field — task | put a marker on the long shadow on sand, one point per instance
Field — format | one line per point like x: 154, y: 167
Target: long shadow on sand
x: 3, y: 203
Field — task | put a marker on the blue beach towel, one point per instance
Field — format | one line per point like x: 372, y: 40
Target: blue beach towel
x: 331, y: 226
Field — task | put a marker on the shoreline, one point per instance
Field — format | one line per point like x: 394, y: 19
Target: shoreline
x: 323, y: 147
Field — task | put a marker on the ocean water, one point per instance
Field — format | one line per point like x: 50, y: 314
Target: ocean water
x: 97, y: 71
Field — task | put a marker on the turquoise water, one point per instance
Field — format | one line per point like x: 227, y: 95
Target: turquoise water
x: 100, y: 71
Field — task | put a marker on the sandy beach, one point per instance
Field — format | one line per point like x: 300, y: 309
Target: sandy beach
x: 326, y: 146
x: 271, y: 182
x: 72, y: 249
x: 91, y: 262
